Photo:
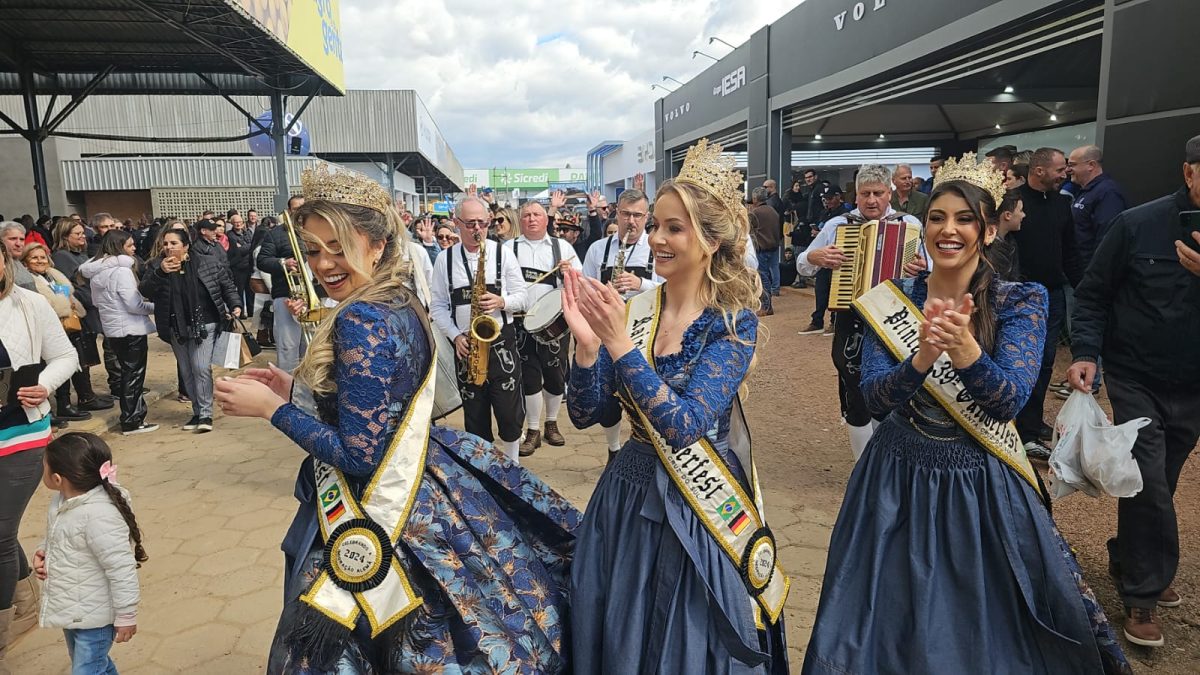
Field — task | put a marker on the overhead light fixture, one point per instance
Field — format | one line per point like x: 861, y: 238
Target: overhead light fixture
x: 1009, y: 89
x: 881, y: 137
x: 997, y: 127
x: 817, y: 137
x: 1053, y: 117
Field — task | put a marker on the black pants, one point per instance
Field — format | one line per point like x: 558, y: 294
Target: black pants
x: 131, y: 352
x: 1146, y: 549
x: 542, y: 366
x: 112, y: 367
x: 500, y: 394
x: 82, y: 379
x: 241, y: 279
x: 1030, y: 420
x: 847, y: 358
x: 824, y: 281
x: 20, y: 475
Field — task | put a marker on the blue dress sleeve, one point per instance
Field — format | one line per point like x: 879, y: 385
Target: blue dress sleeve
x: 721, y: 364
x: 1001, y: 384
x: 885, y: 384
x: 380, y: 358
x: 590, y: 392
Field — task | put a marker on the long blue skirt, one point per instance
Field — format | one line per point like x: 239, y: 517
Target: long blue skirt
x: 651, y: 592
x: 943, y: 560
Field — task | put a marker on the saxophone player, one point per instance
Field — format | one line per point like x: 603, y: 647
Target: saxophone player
x: 625, y: 256
x: 455, y: 276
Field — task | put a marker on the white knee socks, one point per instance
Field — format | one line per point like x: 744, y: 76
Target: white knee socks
x: 613, y: 436
x: 859, y: 436
x: 512, y: 448
x: 553, y: 403
x: 533, y: 411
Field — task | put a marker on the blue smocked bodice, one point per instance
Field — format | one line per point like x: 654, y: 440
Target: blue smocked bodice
x: 686, y: 395
x: 1000, y: 381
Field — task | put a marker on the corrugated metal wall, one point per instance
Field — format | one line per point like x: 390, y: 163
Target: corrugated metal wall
x: 363, y: 121
x: 145, y: 173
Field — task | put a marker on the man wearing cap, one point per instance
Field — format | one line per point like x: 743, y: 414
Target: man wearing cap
x: 831, y: 198
x: 207, y: 244
x: 569, y: 230
x: 1137, y: 306
x: 873, y: 189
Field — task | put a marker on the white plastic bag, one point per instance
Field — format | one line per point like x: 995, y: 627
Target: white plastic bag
x: 227, y: 352
x: 1092, y: 455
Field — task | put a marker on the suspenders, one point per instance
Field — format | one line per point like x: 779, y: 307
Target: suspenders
x: 645, y: 272
x: 530, y: 273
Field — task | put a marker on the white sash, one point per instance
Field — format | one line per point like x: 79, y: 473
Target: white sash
x: 361, y: 568
x: 736, y: 521
x: 897, y: 322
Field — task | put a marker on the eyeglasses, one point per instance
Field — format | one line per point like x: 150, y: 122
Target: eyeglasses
x: 632, y: 215
x: 471, y: 224
x: 446, y: 237
x: 497, y: 222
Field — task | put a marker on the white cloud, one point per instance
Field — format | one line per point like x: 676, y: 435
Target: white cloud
x: 533, y: 82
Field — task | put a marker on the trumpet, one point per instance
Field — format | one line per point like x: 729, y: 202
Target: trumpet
x: 300, y: 285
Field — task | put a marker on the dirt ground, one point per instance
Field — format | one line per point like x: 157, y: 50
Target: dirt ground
x: 794, y: 404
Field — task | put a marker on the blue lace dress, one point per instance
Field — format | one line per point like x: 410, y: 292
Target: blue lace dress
x: 944, y: 560
x: 487, y: 546
x: 651, y: 592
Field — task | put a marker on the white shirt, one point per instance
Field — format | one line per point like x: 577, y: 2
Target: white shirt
x: 512, y: 286
x: 538, y: 254
x: 637, y: 255
x: 827, y: 236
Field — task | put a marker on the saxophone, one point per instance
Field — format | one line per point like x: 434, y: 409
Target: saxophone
x: 619, y: 266
x: 483, y: 329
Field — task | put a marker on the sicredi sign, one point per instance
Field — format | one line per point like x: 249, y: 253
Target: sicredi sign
x: 527, y: 179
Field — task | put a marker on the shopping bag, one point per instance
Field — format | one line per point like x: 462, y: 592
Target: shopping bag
x: 71, y: 324
x: 227, y: 352
x: 1097, y: 456
x: 250, y: 346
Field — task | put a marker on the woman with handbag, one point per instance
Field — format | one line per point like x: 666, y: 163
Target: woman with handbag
x: 193, y: 295
x: 125, y: 318
x: 68, y: 253
x: 59, y: 292
x: 35, y: 358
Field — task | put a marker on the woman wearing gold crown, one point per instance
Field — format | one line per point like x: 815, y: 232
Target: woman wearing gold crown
x: 416, y: 548
x: 944, y: 558
x: 675, y: 567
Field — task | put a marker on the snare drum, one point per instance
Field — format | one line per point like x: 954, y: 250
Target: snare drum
x: 544, y: 320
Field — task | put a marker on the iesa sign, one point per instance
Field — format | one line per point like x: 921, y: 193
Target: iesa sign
x: 731, y: 82
x: 857, y: 12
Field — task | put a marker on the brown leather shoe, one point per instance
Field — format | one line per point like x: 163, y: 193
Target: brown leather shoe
x: 1169, y: 598
x: 1142, y: 627
x: 533, y: 441
x: 553, y: 436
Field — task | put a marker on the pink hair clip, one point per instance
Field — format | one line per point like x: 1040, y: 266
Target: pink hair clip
x: 108, y: 472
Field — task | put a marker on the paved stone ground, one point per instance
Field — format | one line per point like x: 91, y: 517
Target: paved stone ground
x: 214, y: 507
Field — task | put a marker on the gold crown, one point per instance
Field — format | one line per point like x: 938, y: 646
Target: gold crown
x: 980, y: 174
x: 344, y: 187
x: 705, y: 167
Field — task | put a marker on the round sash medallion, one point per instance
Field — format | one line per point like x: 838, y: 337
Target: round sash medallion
x: 358, y: 555
x: 758, y: 562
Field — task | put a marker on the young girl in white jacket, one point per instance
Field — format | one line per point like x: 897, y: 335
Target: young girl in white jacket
x: 91, y: 554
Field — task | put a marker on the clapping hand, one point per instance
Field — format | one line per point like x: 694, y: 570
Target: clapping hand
x: 950, y: 331
x: 587, y: 343
x: 247, y: 398
x: 276, y: 378
x: 604, y: 310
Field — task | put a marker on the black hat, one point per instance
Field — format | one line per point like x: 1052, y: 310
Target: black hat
x: 1192, y: 151
x: 205, y: 224
x: 1004, y: 152
x: 830, y: 191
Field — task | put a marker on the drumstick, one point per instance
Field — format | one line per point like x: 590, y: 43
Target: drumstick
x: 556, y: 268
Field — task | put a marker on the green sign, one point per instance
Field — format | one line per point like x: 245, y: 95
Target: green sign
x: 523, y: 179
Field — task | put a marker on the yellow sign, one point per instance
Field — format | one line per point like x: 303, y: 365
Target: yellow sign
x: 312, y: 29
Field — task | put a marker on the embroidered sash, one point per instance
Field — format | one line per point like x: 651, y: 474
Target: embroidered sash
x: 361, y: 571
x: 897, y: 322
x: 735, y: 520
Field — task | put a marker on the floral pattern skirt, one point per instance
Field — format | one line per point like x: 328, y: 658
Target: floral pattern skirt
x: 488, y: 547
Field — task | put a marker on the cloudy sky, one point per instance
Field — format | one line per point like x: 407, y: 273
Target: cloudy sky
x: 535, y: 82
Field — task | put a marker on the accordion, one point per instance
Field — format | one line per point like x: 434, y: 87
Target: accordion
x: 875, y: 252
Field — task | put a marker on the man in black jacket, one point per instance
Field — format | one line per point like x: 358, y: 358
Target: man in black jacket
x: 241, y: 263
x: 1138, y: 306
x: 274, y: 254
x: 1046, y: 244
x: 206, y: 241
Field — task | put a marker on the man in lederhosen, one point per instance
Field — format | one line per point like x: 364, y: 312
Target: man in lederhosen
x: 633, y: 211
x: 543, y: 366
x: 453, y: 279
x: 873, y: 191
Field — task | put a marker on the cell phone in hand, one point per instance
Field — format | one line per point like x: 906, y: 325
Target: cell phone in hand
x: 1190, y: 222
